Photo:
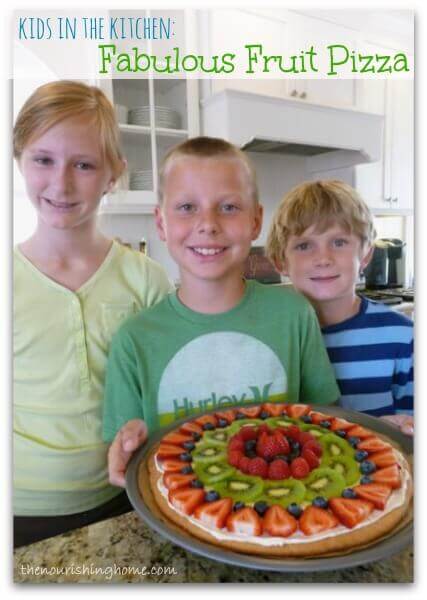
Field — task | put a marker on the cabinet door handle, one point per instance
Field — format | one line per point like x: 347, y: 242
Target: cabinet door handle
x: 394, y: 200
x: 294, y: 93
x: 303, y: 95
x: 388, y: 199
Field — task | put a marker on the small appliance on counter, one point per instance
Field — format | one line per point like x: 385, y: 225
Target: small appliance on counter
x: 259, y: 267
x: 387, y: 267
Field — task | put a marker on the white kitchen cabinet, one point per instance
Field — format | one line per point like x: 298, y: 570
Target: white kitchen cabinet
x: 388, y: 185
x: 144, y: 144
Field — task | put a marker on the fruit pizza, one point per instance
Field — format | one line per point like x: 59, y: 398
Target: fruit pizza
x: 281, y: 480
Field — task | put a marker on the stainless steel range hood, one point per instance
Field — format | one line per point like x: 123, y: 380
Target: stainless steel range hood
x: 327, y: 137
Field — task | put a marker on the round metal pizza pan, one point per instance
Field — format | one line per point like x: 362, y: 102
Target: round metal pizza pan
x: 383, y: 549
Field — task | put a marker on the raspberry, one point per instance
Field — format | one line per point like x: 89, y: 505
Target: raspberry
x: 278, y: 469
x: 234, y: 457
x: 258, y: 466
x: 299, y: 468
x: 310, y: 457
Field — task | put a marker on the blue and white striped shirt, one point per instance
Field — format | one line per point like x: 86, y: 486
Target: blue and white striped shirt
x: 372, y: 355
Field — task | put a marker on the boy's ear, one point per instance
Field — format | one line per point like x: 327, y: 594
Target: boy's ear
x: 160, y: 225
x: 259, y: 211
x: 366, y: 257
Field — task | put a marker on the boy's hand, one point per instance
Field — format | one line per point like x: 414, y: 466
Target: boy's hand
x: 404, y: 422
x: 132, y: 435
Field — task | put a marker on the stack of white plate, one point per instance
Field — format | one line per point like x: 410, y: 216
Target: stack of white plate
x: 164, y: 116
x: 141, y: 180
x: 121, y: 113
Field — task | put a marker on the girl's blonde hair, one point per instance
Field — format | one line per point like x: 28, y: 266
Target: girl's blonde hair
x: 59, y: 100
x: 319, y: 203
x: 208, y: 147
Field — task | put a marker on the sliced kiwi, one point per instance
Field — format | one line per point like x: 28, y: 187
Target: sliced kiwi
x: 345, y: 466
x: 324, y: 482
x: 280, y: 422
x: 206, y: 452
x: 241, y: 487
x: 334, y: 446
x: 284, y: 492
x: 217, y: 437
x: 316, y: 432
x: 212, y: 472
x: 239, y: 423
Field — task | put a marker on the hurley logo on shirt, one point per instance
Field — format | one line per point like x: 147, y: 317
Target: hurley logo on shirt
x: 186, y: 408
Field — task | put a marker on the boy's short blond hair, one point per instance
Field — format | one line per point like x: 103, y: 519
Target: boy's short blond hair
x: 320, y: 203
x: 208, y: 147
x: 56, y: 101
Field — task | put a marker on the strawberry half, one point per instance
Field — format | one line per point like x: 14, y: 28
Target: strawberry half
x: 186, y: 499
x: 351, y: 511
x: 314, y: 520
x: 169, y: 451
x: 295, y: 411
x: 317, y: 417
x: 234, y: 456
x: 278, y: 522
x: 342, y: 424
x: 310, y: 457
x: 386, y: 458
x: 360, y: 432
x: 177, y: 438
x: 214, y: 514
x: 245, y: 521
x: 191, y: 427
x: 172, y: 465
x: 250, y: 411
x: 236, y: 443
x: 373, y: 444
x: 275, y: 409
x: 377, y: 493
x: 388, y: 475
x: 248, y: 432
x: 228, y: 415
x: 282, y: 443
x: 314, y: 446
x: 174, y: 481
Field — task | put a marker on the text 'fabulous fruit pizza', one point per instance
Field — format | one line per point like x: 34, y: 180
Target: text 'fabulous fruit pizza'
x: 280, y: 479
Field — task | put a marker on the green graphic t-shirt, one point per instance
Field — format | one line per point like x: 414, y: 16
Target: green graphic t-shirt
x: 170, y: 362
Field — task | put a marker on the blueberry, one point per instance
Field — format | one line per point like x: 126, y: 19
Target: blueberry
x: 185, y: 456
x: 325, y: 424
x: 306, y: 419
x: 349, y: 493
x: 196, y: 436
x: 341, y: 433
x: 296, y: 446
x: 360, y: 455
x: 264, y: 414
x: 261, y: 507
x: 295, y: 510
x: 238, y: 506
x: 365, y: 479
x: 284, y: 457
x: 353, y: 441
x: 186, y: 470
x: 250, y: 445
x: 189, y: 445
x: 196, y: 483
x: 240, y: 415
x: 320, y: 502
x: 208, y: 426
x: 251, y: 454
x: 222, y: 422
x: 367, y: 467
x: 211, y: 496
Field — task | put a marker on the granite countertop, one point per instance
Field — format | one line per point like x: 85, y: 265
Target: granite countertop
x: 124, y: 549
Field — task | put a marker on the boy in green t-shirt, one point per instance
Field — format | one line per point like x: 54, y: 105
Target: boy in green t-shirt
x: 219, y: 340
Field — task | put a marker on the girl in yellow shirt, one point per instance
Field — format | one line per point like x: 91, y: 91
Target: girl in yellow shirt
x: 72, y: 288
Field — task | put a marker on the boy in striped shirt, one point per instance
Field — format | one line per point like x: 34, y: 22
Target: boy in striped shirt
x: 321, y: 237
